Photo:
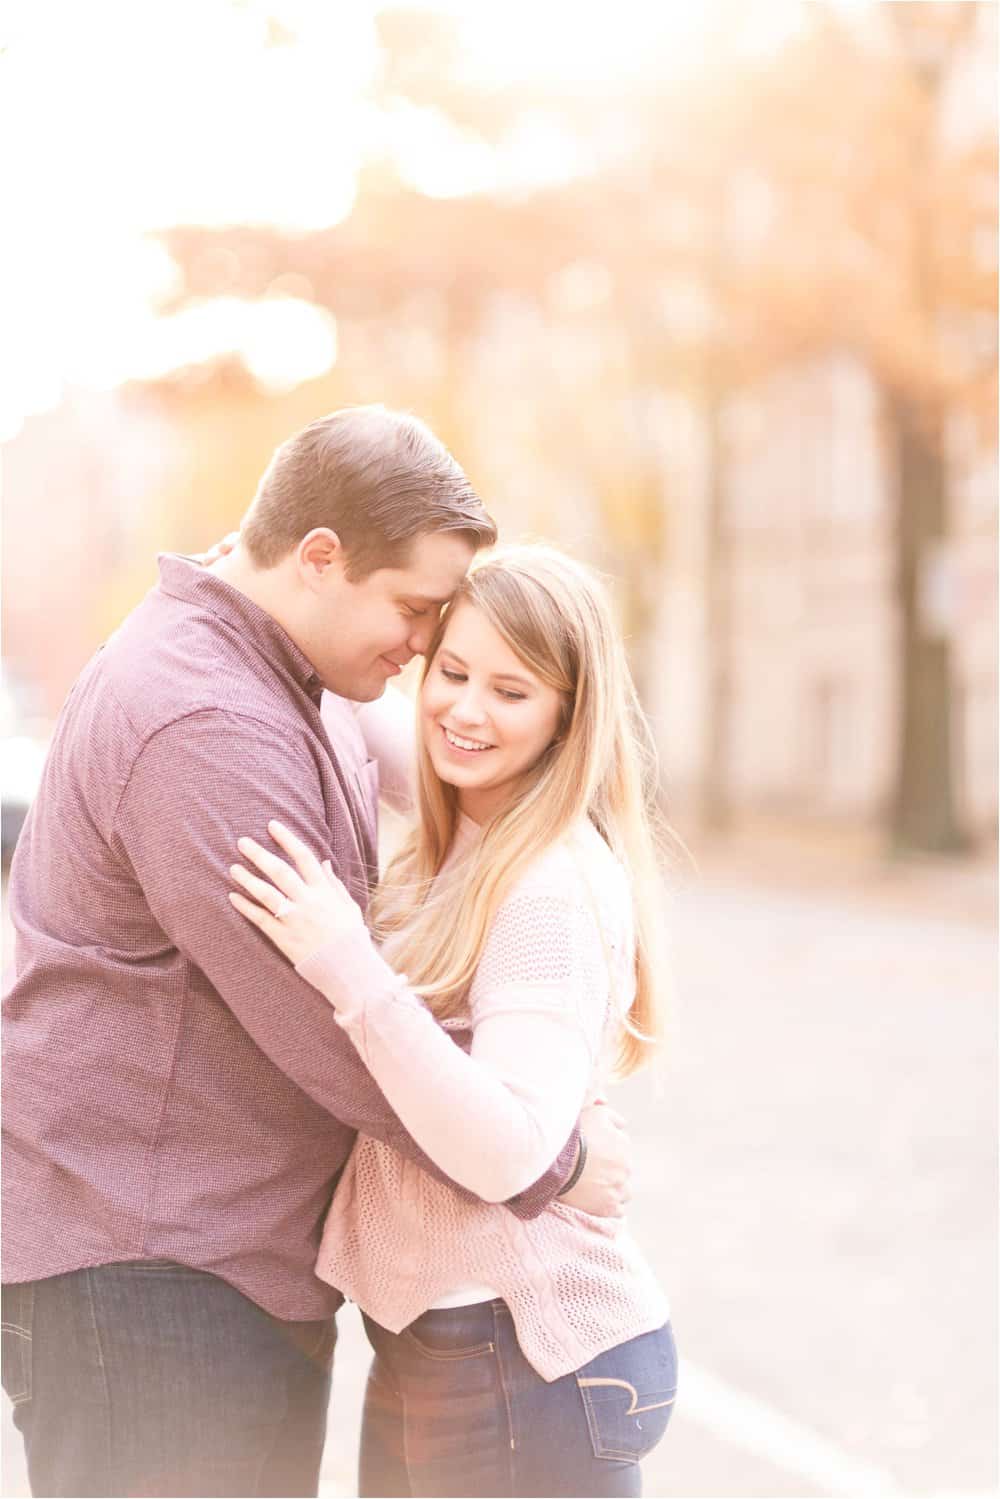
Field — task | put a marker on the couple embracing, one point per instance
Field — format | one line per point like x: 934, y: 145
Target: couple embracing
x: 246, y: 1078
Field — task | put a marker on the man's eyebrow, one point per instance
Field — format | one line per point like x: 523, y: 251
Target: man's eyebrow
x: 498, y: 676
x: 423, y: 598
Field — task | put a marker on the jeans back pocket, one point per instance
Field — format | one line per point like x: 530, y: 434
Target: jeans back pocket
x: 628, y: 1395
x: 453, y: 1332
x: 18, y: 1307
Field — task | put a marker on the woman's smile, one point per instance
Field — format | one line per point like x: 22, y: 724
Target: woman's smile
x: 463, y: 744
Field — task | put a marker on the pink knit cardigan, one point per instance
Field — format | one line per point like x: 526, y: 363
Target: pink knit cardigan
x: 545, y: 1005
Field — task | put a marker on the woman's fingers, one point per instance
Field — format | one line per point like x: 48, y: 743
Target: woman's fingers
x: 220, y: 549
x: 256, y: 914
x: 305, y: 860
x: 262, y: 892
x: 277, y: 871
x: 608, y: 1113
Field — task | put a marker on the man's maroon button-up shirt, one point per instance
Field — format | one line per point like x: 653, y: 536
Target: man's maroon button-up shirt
x: 171, y: 1088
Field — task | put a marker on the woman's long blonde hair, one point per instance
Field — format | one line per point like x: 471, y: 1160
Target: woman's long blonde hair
x: 555, y: 614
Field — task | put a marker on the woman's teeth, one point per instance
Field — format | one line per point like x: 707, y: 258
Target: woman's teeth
x: 465, y: 744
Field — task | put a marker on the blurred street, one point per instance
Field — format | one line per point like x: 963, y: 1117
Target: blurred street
x: 816, y: 1184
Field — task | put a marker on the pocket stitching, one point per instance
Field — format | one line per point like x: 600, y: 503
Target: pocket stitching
x: 588, y: 1411
x: 446, y: 1355
x: 625, y: 1384
x: 27, y: 1363
x: 603, y: 1449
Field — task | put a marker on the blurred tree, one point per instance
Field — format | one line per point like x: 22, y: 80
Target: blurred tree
x: 766, y: 207
x: 828, y: 205
x: 699, y: 149
x: 942, y: 267
x: 883, y: 240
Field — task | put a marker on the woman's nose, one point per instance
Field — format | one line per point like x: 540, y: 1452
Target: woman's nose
x: 468, y: 707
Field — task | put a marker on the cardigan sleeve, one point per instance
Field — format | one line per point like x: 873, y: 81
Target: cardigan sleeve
x: 492, y: 1119
x: 388, y: 726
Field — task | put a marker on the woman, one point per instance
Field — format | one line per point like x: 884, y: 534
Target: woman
x: 510, y: 1357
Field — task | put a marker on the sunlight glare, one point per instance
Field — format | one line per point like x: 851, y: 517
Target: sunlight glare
x: 563, y: 41
x: 281, y: 340
x: 133, y: 118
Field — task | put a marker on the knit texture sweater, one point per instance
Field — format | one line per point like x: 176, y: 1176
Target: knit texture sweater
x: 545, y: 1007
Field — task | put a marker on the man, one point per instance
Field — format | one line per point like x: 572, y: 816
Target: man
x: 178, y: 1102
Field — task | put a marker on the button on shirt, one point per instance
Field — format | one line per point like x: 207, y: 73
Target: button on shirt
x: 172, y: 1089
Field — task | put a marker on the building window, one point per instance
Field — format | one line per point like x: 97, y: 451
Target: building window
x: 832, y: 741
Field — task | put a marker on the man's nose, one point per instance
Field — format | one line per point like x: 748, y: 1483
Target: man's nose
x: 421, y: 635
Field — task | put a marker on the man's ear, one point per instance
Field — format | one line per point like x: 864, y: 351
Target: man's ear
x: 318, y: 552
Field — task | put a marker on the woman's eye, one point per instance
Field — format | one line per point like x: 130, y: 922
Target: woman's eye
x: 511, y: 697
x: 412, y: 613
x: 451, y: 676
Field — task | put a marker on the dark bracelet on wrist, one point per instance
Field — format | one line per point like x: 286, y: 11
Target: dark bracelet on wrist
x: 577, y: 1172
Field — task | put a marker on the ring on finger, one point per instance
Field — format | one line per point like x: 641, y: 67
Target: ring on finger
x: 282, y: 909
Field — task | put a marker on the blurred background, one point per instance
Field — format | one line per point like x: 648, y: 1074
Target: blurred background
x: 707, y: 294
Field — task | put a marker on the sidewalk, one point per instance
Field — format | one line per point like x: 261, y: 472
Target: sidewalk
x: 850, y: 866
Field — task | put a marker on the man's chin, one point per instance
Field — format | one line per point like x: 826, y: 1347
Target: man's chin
x: 358, y: 690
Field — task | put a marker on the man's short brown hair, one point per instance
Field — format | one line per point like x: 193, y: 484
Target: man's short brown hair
x: 378, y: 478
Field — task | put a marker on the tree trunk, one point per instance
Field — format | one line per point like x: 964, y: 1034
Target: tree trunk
x: 924, y: 817
x: 924, y: 814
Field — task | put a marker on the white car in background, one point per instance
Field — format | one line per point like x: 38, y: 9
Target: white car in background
x: 22, y: 756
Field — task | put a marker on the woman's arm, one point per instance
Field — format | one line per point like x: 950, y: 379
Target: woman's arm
x: 491, y: 1120
x: 388, y: 726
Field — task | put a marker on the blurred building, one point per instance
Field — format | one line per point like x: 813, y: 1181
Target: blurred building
x: 812, y: 618
x: 805, y: 639
x: 809, y: 632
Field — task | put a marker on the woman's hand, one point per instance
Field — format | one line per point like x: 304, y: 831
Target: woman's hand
x: 605, y: 1185
x: 220, y: 549
x: 300, y: 908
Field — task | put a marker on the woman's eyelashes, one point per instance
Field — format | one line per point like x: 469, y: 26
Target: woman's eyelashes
x: 504, y: 692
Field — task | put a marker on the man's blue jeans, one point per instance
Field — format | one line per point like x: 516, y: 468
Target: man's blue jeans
x: 148, y: 1378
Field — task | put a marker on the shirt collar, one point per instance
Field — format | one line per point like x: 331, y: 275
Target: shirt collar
x: 182, y: 578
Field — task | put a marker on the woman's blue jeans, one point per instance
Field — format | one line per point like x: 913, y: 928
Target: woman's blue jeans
x: 454, y: 1408
x: 148, y: 1378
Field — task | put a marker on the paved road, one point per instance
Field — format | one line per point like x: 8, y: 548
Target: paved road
x: 817, y: 1187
